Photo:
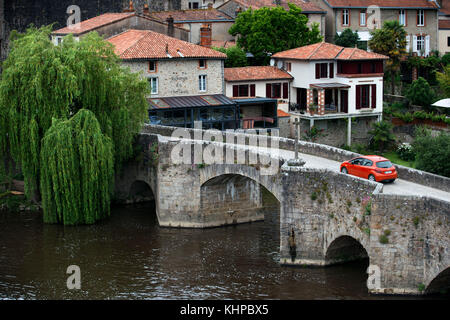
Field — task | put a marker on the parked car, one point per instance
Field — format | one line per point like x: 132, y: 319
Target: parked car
x: 374, y: 168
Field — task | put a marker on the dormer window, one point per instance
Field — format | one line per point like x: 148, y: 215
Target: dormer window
x: 202, y: 64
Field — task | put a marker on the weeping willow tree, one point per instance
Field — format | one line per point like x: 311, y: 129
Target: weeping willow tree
x: 77, y: 171
x: 41, y: 81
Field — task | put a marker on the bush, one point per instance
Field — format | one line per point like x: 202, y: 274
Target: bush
x: 420, y: 93
x: 405, y: 152
x: 382, y: 136
x: 432, y: 153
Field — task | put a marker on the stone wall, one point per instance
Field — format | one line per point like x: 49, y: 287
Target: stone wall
x: 180, y: 77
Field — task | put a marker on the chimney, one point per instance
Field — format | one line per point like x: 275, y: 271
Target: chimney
x: 130, y: 7
x: 167, y: 48
x: 277, y: 2
x: 210, y: 6
x: 146, y: 9
x: 205, y: 35
x: 170, y: 27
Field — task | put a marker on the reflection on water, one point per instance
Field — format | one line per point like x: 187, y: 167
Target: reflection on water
x: 130, y: 257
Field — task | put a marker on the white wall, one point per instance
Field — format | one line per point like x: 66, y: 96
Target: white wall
x: 304, y: 74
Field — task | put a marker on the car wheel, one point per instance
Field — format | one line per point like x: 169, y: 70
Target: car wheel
x: 392, y: 181
x: 344, y: 170
x: 372, y: 178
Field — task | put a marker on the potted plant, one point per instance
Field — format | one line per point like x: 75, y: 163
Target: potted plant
x: 312, y: 108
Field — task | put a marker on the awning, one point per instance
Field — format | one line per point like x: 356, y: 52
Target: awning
x: 190, y: 101
x: 329, y: 85
x: 444, y: 103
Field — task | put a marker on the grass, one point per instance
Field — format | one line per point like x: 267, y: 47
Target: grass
x: 393, y: 156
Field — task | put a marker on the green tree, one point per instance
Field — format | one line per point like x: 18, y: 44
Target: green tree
x: 420, y: 93
x: 266, y: 31
x: 347, y: 38
x: 390, y: 40
x: 444, y: 80
x: 382, y: 136
x: 236, y: 57
x: 41, y: 81
x: 77, y: 171
x: 432, y: 153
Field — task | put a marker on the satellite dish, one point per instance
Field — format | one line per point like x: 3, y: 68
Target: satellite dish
x: 272, y: 62
x: 280, y: 64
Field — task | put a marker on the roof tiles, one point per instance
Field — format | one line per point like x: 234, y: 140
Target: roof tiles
x: 382, y: 3
x: 145, y: 44
x: 94, y: 23
x: 328, y: 51
x: 257, y: 4
x: 255, y: 73
x: 191, y: 15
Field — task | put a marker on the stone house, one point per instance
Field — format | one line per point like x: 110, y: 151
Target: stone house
x: 110, y: 24
x: 173, y: 67
x: 314, y: 12
x: 444, y: 27
x: 419, y: 18
x: 332, y: 82
x: 194, y: 20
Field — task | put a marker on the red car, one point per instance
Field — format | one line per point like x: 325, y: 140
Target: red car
x: 374, y: 168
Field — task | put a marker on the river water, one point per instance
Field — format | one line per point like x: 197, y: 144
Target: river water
x: 128, y: 256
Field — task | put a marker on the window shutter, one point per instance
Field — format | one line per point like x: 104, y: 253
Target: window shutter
x: 358, y: 97
x: 252, y: 90
x: 374, y: 96
x: 414, y: 49
x: 331, y: 70
x: 285, y: 91
x: 268, y: 90
x: 235, y: 91
x: 427, y: 45
x: 317, y: 70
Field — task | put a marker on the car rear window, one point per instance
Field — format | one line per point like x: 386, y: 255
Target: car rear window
x: 384, y: 164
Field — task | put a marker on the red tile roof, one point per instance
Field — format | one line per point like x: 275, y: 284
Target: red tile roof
x: 445, y: 7
x: 255, y: 73
x: 145, y: 44
x: 94, y: 23
x: 191, y: 15
x: 382, y: 3
x: 282, y: 114
x: 444, y: 24
x: 256, y: 4
x: 328, y: 51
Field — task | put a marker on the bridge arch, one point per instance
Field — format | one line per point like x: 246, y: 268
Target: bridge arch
x: 440, y: 283
x: 234, y: 198
x: 140, y: 191
x: 345, y: 248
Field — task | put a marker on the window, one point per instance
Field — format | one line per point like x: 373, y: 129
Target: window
x: 366, y: 96
x: 448, y: 41
x: 153, y: 82
x: 202, y: 82
x: 288, y: 66
x: 202, y: 64
x: 152, y: 66
x: 363, y: 17
x: 402, y: 17
x: 193, y: 5
x: 420, y: 43
x: 420, y: 18
x: 321, y: 70
x: 345, y: 17
x: 244, y: 90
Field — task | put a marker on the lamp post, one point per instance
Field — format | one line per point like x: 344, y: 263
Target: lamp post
x: 297, y: 136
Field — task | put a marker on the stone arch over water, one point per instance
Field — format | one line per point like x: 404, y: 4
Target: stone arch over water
x: 440, y: 283
x: 235, y: 198
x: 141, y: 191
x: 344, y: 249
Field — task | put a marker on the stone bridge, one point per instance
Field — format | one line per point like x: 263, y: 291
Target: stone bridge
x: 326, y: 217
